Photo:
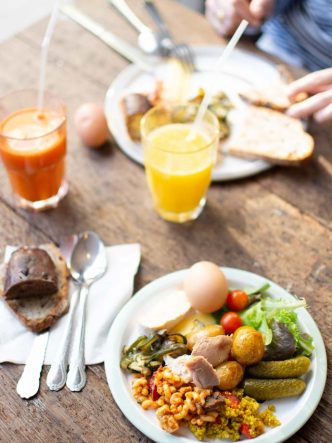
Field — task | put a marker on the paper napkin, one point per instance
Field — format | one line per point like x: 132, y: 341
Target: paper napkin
x: 106, y: 297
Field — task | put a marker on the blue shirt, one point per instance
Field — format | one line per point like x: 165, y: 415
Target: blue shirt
x: 303, y: 29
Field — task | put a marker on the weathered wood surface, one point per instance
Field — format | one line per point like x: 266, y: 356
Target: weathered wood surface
x: 277, y: 224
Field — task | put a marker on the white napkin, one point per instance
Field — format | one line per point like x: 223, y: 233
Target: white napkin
x: 106, y: 298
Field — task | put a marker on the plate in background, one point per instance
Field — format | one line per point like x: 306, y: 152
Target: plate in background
x: 243, y: 69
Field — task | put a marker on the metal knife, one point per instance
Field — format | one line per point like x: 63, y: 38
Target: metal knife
x: 28, y: 384
x: 119, y: 45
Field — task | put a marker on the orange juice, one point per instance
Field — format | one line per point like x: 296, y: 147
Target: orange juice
x: 178, y: 168
x: 33, y: 148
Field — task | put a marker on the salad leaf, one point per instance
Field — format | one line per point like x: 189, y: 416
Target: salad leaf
x: 303, y: 342
x: 256, y: 317
x: 259, y: 290
x: 261, y: 314
x: 275, y: 304
x: 282, y: 345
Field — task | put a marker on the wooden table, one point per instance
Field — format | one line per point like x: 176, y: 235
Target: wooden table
x: 278, y: 224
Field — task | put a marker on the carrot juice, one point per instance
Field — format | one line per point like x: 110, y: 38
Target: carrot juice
x: 33, y: 149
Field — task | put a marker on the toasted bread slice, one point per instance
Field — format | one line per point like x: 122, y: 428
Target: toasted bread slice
x: 270, y: 135
x: 271, y: 96
x: 38, y: 313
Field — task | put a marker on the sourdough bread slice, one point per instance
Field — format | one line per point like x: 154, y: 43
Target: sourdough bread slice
x: 271, y: 96
x: 270, y: 135
x: 39, y: 313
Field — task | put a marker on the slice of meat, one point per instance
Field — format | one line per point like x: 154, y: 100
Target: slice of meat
x: 214, y: 401
x: 30, y: 272
x: 204, y: 375
x: 215, y: 349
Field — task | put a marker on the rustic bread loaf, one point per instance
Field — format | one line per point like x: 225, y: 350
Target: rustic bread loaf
x: 270, y: 135
x: 30, y: 271
x: 41, y: 310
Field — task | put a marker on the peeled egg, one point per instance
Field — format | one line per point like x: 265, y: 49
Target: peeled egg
x: 91, y: 125
x: 206, y: 287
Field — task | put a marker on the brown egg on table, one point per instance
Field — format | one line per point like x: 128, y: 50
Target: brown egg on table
x: 90, y: 124
x: 206, y: 287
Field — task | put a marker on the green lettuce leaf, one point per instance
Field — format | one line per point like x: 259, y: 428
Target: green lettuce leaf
x: 260, y: 316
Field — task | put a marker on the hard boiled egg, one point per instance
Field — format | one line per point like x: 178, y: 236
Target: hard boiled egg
x: 206, y: 287
x: 91, y: 125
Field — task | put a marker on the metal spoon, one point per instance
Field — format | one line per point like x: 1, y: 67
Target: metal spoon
x: 88, y: 263
x: 150, y: 42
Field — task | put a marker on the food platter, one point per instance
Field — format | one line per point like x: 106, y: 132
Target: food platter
x: 292, y: 412
x: 243, y: 69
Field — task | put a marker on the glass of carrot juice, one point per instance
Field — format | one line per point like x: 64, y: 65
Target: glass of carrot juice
x: 33, y: 148
x: 179, y: 158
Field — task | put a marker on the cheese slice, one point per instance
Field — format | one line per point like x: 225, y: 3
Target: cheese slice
x: 165, y: 314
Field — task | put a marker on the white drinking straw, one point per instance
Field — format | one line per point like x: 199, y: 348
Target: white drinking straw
x: 224, y: 56
x: 44, y: 53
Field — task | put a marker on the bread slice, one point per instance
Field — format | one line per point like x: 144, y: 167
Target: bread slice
x: 270, y: 135
x: 271, y: 96
x: 134, y: 106
x: 39, y: 313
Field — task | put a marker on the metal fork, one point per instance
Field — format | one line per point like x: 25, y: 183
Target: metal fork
x: 180, y: 51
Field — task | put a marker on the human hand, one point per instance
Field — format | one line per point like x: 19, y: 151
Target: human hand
x: 319, y: 105
x: 226, y: 15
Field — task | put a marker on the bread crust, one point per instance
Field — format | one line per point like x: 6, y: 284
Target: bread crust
x: 40, y: 313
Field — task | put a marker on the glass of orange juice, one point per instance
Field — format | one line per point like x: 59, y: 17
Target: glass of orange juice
x: 179, y: 159
x: 33, y: 148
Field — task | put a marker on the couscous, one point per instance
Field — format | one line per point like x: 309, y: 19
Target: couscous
x: 178, y: 403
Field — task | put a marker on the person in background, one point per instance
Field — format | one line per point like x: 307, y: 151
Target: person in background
x: 297, y: 31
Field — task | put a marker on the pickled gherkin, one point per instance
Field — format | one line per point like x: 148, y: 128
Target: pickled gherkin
x: 263, y: 389
x: 293, y: 367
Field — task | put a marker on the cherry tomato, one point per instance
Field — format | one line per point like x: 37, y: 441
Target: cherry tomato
x: 237, y: 300
x: 230, y: 321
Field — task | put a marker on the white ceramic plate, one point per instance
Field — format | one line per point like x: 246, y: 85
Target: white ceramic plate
x: 243, y: 69
x: 293, y: 412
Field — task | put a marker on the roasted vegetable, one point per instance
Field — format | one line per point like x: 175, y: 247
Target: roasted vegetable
x: 262, y: 389
x: 134, y: 107
x: 248, y: 345
x: 146, y: 353
x: 220, y: 105
x: 282, y: 345
x: 230, y: 374
x: 293, y: 367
